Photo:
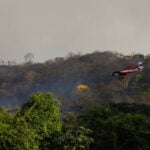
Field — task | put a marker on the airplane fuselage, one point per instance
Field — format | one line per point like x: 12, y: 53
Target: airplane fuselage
x: 127, y: 71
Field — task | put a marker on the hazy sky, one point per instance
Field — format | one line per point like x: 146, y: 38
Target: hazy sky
x: 50, y: 28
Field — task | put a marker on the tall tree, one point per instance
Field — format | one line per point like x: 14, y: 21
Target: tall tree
x: 42, y: 114
x: 28, y: 57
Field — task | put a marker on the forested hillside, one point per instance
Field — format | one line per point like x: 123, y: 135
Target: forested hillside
x: 74, y: 103
x: 77, y: 80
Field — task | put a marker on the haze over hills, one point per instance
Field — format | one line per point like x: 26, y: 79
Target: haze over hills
x: 51, y: 28
x: 77, y: 80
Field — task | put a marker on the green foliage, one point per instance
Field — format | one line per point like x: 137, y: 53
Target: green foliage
x: 117, y: 130
x: 5, y: 129
x: 37, y: 126
x: 130, y: 108
x: 133, y: 131
x: 42, y: 115
x: 77, y: 138
x: 34, y: 122
x: 23, y: 137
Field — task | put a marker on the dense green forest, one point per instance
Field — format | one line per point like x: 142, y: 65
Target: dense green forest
x: 74, y: 103
x: 38, y: 125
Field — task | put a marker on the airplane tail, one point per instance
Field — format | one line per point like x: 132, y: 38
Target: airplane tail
x: 140, y: 66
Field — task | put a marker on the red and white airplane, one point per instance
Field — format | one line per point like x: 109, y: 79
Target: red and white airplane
x: 128, y: 70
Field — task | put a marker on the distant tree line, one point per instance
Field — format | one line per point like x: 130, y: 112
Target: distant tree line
x: 28, y: 58
x: 63, y: 76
